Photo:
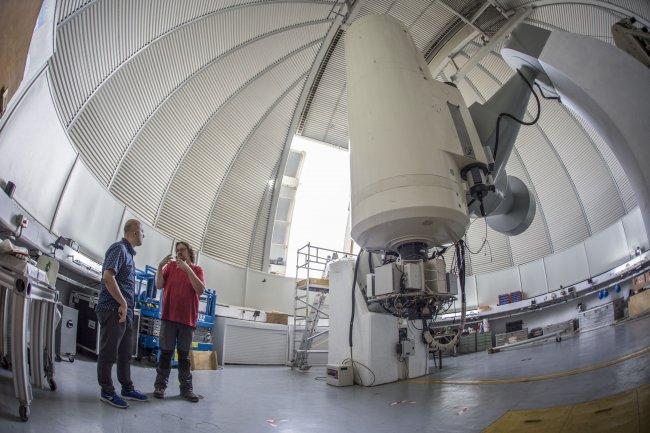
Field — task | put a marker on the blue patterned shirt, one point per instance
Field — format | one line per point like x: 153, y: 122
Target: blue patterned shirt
x: 119, y: 258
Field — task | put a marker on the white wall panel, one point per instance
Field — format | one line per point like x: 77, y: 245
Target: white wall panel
x: 88, y: 213
x: 155, y: 246
x: 36, y: 153
x: 537, y: 233
x: 41, y: 46
x: 567, y: 267
x: 471, y: 297
x: 598, y: 193
x: 489, y: 286
x: 270, y: 292
x: 618, y: 173
x: 494, y: 255
x: 533, y: 278
x: 635, y: 230
x: 607, y: 249
x: 226, y: 279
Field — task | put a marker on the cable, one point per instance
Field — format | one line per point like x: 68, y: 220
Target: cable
x: 485, y: 240
x: 460, y: 247
x: 353, y: 364
x: 490, y: 249
x: 409, y: 324
x: 405, y: 363
x: 460, y: 260
x: 544, y: 96
x: 354, y: 289
x: 520, y: 121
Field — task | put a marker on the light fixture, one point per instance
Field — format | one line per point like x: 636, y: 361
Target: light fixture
x: 62, y: 242
x: 59, y: 243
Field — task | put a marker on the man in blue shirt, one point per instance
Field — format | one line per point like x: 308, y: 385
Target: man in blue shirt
x: 115, y: 316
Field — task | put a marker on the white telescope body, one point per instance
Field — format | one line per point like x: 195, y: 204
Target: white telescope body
x: 409, y: 137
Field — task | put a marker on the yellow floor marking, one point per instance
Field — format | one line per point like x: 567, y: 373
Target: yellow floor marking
x: 627, y: 412
x: 618, y: 414
x: 555, y: 375
x: 531, y: 421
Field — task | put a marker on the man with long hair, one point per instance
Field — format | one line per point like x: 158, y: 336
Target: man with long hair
x: 182, y: 283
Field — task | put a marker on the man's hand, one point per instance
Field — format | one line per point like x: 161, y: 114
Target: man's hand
x: 164, y: 261
x: 114, y: 290
x: 122, y: 312
x: 183, y: 265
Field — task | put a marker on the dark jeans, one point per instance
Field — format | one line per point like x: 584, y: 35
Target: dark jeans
x: 175, y: 336
x: 114, y: 345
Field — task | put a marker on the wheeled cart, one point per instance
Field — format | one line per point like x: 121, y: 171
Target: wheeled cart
x: 27, y: 320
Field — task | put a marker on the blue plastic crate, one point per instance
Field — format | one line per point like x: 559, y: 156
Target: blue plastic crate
x: 202, y: 346
x: 504, y: 299
x: 148, y: 341
x: 516, y: 296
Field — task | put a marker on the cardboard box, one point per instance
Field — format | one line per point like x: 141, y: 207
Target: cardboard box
x: 203, y: 360
x: 322, y: 283
x: 639, y: 281
x: 275, y: 317
x: 639, y: 303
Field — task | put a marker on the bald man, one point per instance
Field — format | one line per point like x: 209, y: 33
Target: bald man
x: 115, y: 316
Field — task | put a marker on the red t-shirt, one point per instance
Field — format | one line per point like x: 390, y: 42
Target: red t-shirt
x: 180, y: 302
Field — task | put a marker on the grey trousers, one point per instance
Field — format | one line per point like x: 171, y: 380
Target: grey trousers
x: 114, y: 345
x: 175, y: 336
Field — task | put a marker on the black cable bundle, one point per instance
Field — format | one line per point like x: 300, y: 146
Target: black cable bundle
x: 460, y: 257
x: 354, y: 290
x: 510, y: 116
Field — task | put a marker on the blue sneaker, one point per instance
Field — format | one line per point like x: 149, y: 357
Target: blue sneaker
x: 114, y: 400
x: 134, y: 395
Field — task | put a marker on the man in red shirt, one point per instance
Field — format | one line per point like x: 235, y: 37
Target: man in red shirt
x: 182, y: 283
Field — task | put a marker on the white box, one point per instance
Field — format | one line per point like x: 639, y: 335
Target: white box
x: 435, y: 276
x: 408, y: 348
x: 452, y: 284
x: 386, y: 280
x: 340, y: 375
x: 414, y: 273
x: 596, y: 317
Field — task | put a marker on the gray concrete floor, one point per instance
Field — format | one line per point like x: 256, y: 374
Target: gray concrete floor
x: 261, y: 399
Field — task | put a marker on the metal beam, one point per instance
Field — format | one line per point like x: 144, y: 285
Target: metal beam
x: 338, y: 23
x: 480, y: 11
x: 602, y: 4
x: 461, y: 17
x: 498, y: 37
x: 456, y: 43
